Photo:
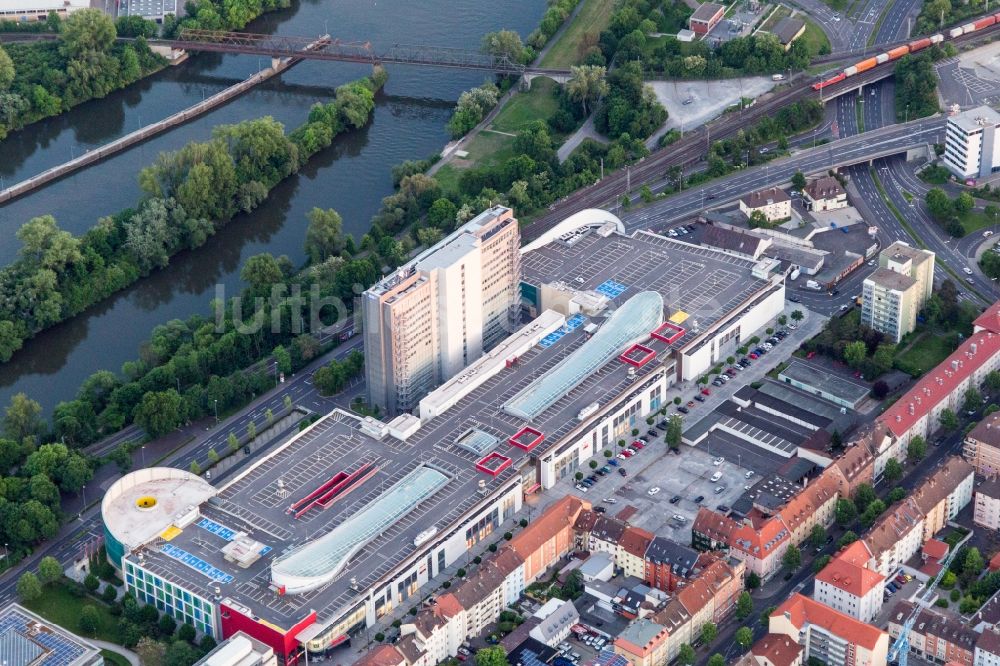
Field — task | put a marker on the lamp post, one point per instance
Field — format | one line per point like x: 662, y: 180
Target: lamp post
x: 215, y: 403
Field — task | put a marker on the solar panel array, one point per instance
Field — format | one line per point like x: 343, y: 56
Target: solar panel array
x: 611, y: 289
x: 217, y: 529
x: 20, y: 647
x: 196, y: 563
x: 573, y: 323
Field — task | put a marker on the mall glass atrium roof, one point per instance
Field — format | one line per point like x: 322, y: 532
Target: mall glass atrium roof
x: 318, y: 562
x: 631, y: 322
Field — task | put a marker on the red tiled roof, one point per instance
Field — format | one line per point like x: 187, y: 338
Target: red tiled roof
x: 989, y: 320
x: 893, y: 526
x: 778, y: 649
x: 761, y: 542
x: 935, y: 549
x: 806, y: 503
x: 802, y: 610
x: 635, y: 541
x: 695, y: 596
x: 937, y: 384
x: 383, y: 655
x: 449, y: 605
x: 562, y: 513
x: 713, y: 525
x: 847, y: 573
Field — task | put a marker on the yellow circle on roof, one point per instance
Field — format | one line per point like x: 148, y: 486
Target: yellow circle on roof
x: 145, y: 502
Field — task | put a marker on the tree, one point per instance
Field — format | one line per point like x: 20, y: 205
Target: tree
x: 893, y: 470
x: 159, y: 412
x: 708, y: 633
x: 166, y: 626
x: 491, y: 656
x: 744, y: 606
x: 938, y: 203
x: 28, y: 588
x: 973, y: 399
x: 848, y: 538
x: 716, y: 660
x: 798, y: 181
x: 744, y: 637
x: 992, y: 380
x: 817, y: 536
x: 89, y: 621
x: 864, y: 495
x: 261, y: 272
x: 846, y: 512
x: 874, y: 509
x: 880, y: 389
x: 180, y: 653
x: 150, y: 651
x: 675, y: 428
x: 503, y: 44
x: 586, y: 84
x: 324, y: 235
x: 917, y: 448
x: 283, y: 359
x: 820, y: 563
x: 186, y: 633
x: 91, y: 582
x: 948, y: 420
x: 895, y: 495
x: 686, y: 655
x: 758, y: 220
x: 213, y: 455
x: 233, y: 443
x: 797, y: 315
x: 855, y: 353
x: 22, y: 418
x: 87, y: 32
x: 6, y: 70
x: 792, y: 559
x: 972, y: 565
x: 49, y: 570
x: 251, y: 431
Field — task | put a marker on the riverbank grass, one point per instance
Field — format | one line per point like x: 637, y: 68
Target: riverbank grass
x: 594, y: 17
x: 61, y: 605
x: 538, y: 103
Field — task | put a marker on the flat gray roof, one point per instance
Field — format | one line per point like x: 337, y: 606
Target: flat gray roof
x: 890, y: 279
x: 703, y: 282
x: 706, y: 11
x: 810, y: 375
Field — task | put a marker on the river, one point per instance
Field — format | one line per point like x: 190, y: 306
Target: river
x: 351, y: 176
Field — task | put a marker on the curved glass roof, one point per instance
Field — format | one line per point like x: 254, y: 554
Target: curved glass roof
x: 316, y: 563
x: 632, y: 321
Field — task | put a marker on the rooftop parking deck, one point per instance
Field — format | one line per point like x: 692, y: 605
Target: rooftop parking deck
x: 701, y: 284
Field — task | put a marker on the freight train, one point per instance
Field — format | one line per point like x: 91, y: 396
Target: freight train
x: 912, y: 47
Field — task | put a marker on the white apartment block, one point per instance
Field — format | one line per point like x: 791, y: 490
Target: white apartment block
x: 971, y: 149
x: 894, y: 293
x: 986, y: 511
x: 850, y: 584
x: 773, y: 202
x: 436, y: 314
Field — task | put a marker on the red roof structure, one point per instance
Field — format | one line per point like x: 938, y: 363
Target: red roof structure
x: 801, y: 610
x: 940, y: 382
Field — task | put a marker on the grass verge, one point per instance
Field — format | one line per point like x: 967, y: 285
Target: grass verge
x: 593, y: 18
x: 115, y: 659
x: 925, y: 352
x: 61, y: 605
x: 538, y: 103
x: 815, y: 38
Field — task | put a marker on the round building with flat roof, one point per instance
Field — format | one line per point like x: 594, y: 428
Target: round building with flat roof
x: 147, y: 504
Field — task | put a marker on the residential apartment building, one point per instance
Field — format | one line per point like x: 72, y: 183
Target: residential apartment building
x: 775, y: 650
x: 896, y: 536
x: 971, y: 148
x: 936, y: 637
x: 856, y: 465
x: 918, y: 411
x: 814, y: 505
x: 712, y: 530
x: 850, y: 584
x: 987, y: 652
x: 773, y: 202
x: 893, y: 294
x: 631, y: 553
x: 987, y: 507
x: 548, y: 537
x: 943, y: 494
x: 761, y: 548
x: 982, y: 446
x: 483, y: 595
x: 676, y: 622
x: 824, y: 193
x: 439, y: 312
x: 668, y: 564
x: 643, y: 643
x: 829, y: 635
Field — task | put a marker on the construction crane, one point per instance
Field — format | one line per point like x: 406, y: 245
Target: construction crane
x: 900, y: 650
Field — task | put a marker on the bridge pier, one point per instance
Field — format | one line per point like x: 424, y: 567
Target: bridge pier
x: 276, y: 63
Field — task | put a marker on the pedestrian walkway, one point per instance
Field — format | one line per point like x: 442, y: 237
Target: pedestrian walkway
x: 132, y: 657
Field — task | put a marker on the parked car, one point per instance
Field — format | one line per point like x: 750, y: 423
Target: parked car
x: 679, y: 518
x: 600, y: 509
x: 623, y: 471
x: 683, y: 410
x: 606, y: 469
x: 613, y: 462
x: 582, y: 488
x: 748, y: 474
x: 653, y: 433
x: 653, y: 491
x: 700, y: 398
x: 638, y: 445
x: 690, y: 404
x: 699, y: 499
x: 706, y: 391
x: 716, y: 476
x: 719, y: 490
x: 675, y: 499
x: 610, y: 500
x: 718, y: 461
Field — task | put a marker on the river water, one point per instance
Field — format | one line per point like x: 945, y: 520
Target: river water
x: 351, y: 176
